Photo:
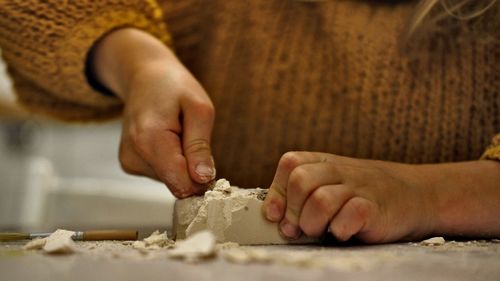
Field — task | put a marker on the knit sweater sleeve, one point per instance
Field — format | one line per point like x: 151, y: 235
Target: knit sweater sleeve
x: 46, y: 43
x: 493, y: 151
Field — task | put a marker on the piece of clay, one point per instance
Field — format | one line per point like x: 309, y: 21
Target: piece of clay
x: 60, y: 242
x: 247, y: 255
x: 434, y: 241
x: 155, y: 241
x: 237, y: 256
x: 141, y: 246
x: 260, y: 255
x: 160, y: 239
x: 233, y: 214
x: 35, y: 244
x: 198, y: 246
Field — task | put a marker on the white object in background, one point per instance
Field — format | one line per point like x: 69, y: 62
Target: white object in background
x: 50, y: 202
x: 40, y: 180
x: 93, y: 203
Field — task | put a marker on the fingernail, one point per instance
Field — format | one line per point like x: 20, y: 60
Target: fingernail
x: 289, y: 230
x: 272, y: 212
x: 206, y: 172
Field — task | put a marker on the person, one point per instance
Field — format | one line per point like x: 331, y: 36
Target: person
x: 400, y: 129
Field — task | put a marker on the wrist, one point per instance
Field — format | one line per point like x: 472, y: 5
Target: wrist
x: 123, y: 53
x: 465, y: 197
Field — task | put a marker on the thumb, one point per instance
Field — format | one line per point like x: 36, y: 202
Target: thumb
x: 197, y: 128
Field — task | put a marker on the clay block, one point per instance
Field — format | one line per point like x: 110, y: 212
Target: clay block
x: 233, y: 214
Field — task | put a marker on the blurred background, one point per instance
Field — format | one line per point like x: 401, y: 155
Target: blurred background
x: 55, y: 175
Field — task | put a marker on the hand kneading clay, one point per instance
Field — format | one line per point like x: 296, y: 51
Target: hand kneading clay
x: 233, y: 214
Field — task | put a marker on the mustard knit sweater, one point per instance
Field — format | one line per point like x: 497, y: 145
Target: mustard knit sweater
x: 284, y: 75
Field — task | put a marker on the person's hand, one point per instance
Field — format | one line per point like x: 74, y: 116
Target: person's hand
x: 168, y: 117
x: 377, y: 201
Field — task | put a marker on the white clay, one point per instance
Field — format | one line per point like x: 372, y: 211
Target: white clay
x: 60, y: 242
x: 434, y: 241
x: 35, y: 244
x: 247, y: 255
x: 199, y: 245
x: 155, y: 241
x: 233, y: 214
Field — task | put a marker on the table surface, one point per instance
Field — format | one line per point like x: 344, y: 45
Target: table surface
x: 113, y: 260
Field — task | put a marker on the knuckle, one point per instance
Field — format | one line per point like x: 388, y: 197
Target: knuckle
x: 138, y: 135
x: 127, y: 165
x: 361, y: 208
x: 290, y: 160
x: 203, y: 108
x: 276, y: 191
x: 298, y: 180
x: 144, y: 123
x: 128, y: 169
x: 197, y: 146
x: 320, y: 199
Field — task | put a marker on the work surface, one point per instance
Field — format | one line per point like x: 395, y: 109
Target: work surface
x: 465, y: 260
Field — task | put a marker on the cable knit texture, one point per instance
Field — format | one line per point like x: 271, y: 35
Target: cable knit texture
x: 45, y: 44
x: 329, y: 76
x: 284, y: 75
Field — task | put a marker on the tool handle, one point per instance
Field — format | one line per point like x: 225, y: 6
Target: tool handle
x: 110, y: 235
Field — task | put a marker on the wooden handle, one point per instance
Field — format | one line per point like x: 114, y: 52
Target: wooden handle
x: 110, y: 235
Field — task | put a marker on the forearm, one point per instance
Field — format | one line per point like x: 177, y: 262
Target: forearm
x: 124, y: 53
x: 466, y: 197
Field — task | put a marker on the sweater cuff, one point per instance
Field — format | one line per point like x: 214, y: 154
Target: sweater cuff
x: 91, y: 77
x: 77, y: 49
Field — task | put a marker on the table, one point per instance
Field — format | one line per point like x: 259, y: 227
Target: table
x: 114, y: 260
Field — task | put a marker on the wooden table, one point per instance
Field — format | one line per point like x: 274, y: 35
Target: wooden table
x: 466, y: 260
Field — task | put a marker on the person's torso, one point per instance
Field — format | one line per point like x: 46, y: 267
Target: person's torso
x: 329, y: 76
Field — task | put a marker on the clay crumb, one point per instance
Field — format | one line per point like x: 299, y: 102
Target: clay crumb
x: 155, y: 241
x: 160, y: 239
x: 223, y: 186
x: 226, y: 245
x: 60, y: 242
x: 238, y: 256
x: 260, y: 255
x: 198, y: 246
x: 247, y: 255
x: 35, y: 244
x: 434, y: 241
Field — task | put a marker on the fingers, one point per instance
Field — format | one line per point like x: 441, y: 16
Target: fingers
x: 352, y: 218
x: 170, y: 164
x: 168, y: 119
x: 321, y: 207
x: 132, y: 163
x: 151, y: 150
x: 198, y: 123
x: 303, y: 181
x: 275, y: 204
